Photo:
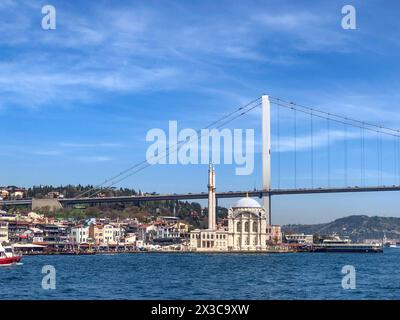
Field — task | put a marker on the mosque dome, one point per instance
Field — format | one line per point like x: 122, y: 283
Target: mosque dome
x: 247, y: 203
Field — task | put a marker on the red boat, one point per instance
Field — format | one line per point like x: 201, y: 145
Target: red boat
x: 8, y: 257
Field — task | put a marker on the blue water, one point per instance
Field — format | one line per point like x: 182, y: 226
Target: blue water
x: 205, y: 276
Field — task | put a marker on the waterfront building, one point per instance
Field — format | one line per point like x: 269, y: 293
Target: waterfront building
x: 130, y: 238
x: 146, y: 232
x: 182, y: 227
x: 16, y: 230
x: 51, y: 233
x: 166, y: 233
x: 37, y: 235
x: 247, y: 230
x: 247, y: 226
x: 299, y: 238
x: 111, y: 234
x: 80, y: 234
x: 274, y: 234
x: 96, y: 233
x: 3, y: 231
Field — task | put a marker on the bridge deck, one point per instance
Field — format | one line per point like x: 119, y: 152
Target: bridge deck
x: 204, y: 195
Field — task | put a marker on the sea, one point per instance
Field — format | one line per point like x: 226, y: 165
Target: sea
x: 205, y: 276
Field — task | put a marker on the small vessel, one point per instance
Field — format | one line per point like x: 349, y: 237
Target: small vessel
x: 7, y: 256
x: 336, y: 244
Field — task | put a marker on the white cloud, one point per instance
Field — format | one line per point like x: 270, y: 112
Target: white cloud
x: 47, y: 153
x: 89, y: 145
x: 94, y: 158
x: 320, y: 139
x: 140, y: 49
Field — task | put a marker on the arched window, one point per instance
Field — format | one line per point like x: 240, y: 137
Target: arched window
x: 239, y: 227
x: 246, y: 226
x: 255, y: 227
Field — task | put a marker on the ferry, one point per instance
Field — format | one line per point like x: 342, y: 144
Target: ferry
x: 336, y: 244
x: 8, y: 257
x: 394, y: 245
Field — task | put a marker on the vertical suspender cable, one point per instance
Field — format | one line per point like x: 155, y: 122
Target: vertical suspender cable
x: 398, y: 157
x: 295, y: 148
x: 395, y: 160
x: 380, y: 159
x: 345, y: 155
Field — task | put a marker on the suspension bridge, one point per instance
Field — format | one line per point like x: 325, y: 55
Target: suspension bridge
x: 313, y: 151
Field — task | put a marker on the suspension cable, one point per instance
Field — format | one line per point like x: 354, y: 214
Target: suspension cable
x: 146, y: 165
x: 345, y: 156
x: 166, y: 152
x: 340, y: 121
x: 395, y: 132
x: 295, y: 148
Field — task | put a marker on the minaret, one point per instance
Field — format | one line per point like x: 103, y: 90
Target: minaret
x: 211, y: 198
x: 214, y: 200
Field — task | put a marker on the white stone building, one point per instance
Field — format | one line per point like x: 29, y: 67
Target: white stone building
x: 3, y: 231
x: 80, y: 234
x: 247, y: 230
x: 111, y: 234
x: 247, y: 226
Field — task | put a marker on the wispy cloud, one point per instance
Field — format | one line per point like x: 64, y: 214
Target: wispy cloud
x: 319, y: 139
x: 94, y: 158
x: 48, y: 152
x: 137, y: 48
x: 90, y: 145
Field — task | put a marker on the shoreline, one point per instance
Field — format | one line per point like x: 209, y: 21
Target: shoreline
x: 149, y: 252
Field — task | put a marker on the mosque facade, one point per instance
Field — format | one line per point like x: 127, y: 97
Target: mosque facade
x: 247, y: 230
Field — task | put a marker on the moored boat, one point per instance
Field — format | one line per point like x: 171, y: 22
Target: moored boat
x: 7, y: 256
x: 344, y: 245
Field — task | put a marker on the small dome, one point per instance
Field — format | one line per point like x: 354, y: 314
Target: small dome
x: 247, y: 203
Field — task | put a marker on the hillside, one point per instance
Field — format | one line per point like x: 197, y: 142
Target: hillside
x: 357, y: 227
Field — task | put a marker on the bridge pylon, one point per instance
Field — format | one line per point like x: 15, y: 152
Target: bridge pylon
x: 266, y: 155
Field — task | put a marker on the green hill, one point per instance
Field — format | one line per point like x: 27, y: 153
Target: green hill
x: 357, y: 227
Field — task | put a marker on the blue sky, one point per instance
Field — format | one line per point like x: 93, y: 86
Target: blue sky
x: 76, y: 102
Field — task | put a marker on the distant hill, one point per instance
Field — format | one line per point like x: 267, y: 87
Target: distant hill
x: 357, y: 227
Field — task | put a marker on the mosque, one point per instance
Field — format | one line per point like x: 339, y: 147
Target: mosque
x: 248, y: 226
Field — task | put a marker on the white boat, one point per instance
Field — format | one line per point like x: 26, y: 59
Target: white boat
x: 336, y: 244
x: 7, y: 256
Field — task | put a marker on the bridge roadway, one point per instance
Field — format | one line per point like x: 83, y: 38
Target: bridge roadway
x: 204, y: 195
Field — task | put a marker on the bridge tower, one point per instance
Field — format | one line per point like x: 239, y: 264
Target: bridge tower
x: 266, y: 155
